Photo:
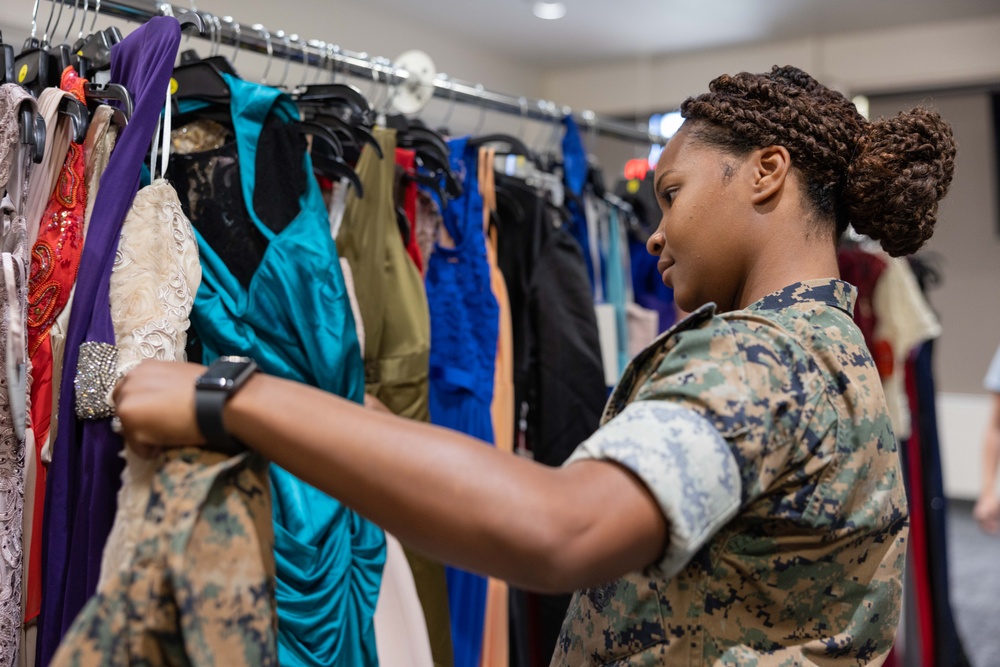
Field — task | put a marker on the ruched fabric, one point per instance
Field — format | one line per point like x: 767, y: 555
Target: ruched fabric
x: 295, y: 320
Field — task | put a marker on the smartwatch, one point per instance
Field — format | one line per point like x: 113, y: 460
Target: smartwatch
x: 217, y: 385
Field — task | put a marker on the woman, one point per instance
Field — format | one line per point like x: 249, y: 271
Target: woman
x: 742, y: 503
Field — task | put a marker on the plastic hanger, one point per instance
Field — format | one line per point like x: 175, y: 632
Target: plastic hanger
x: 517, y: 147
x: 356, y: 133
x: 79, y: 116
x: 32, y: 67
x: 112, y: 92
x: 6, y: 62
x: 334, y: 165
x: 32, y: 127
x: 336, y: 95
x: 323, y: 132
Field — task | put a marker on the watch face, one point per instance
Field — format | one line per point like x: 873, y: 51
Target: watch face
x: 226, y: 373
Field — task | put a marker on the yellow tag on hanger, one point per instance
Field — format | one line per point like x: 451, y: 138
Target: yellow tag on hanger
x: 173, y: 86
x: 22, y: 74
x: 633, y: 186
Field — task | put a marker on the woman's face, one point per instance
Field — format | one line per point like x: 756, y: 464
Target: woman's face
x: 702, y: 239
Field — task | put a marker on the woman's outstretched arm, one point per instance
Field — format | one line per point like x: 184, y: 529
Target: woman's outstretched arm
x: 437, y: 490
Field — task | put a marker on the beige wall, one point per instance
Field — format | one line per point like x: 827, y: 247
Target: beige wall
x: 966, y: 239
x: 909, y: 58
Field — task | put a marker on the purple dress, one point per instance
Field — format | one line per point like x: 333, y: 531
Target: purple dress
x: 84, y: 475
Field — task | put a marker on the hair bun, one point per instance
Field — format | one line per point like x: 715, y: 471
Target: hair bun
x: 902, y: 169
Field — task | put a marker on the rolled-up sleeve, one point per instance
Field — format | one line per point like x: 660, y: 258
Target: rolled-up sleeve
x: 684, y: 462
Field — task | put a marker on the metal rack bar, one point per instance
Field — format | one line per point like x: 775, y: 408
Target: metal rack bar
x: 316, y: 53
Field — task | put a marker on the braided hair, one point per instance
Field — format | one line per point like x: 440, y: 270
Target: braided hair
x: 884, y: 177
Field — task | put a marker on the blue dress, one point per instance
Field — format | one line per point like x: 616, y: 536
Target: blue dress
x: 465, y: 320
x: 295, y: 320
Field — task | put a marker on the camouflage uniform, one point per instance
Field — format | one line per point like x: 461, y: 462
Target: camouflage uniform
x: 764, y: 437
x: 201, y: 588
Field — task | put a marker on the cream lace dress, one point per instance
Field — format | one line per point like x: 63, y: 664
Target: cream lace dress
x: 155, y: 277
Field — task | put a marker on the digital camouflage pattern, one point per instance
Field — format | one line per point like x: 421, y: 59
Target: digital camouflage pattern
x: 809, y: 571
x: 201, y: 589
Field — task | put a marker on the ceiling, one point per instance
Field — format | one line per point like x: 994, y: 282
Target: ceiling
x: 595, y: 30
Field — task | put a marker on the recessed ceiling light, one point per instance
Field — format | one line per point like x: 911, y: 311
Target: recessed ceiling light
x: 549, y: 10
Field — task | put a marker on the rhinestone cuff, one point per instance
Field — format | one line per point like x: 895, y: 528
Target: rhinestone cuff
x: 96, y: 375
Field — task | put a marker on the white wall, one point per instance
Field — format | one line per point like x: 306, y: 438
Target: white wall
x: 907, y: 58
x: 962, y: 420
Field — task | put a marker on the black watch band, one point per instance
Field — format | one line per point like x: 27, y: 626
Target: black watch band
x: 208, y: 406
x: 212, y: 390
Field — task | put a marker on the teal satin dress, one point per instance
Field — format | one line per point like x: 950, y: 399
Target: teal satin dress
x: 294, y: 318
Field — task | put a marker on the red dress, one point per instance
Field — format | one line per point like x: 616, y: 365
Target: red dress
x: 55, y: 258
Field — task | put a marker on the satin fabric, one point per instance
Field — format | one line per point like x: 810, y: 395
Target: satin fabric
x: 295, y: 320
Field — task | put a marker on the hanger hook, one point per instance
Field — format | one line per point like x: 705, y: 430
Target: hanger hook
x: 34, y: 20
x: 72, y: 20
x: 206, y: 19
x: 451, y: 104
x: 335, y: 58
x: 55, y: 28
x: 48, y: 24
x: 590, y: 118
x: 320, y: 47
x: 522, y: 102
x: 83, y: 21
x: 305, y: 60
x: 270, y: 49
x: 97, y: 10
x: 218, y: 35
x: 328, y: 61
x: 379, y: 72
x: 480, y: 92
x: 238, y: 32
x: 543, y: 108
x: 558, y: 114
x: 371, y: 68
x: 391, y: 85
x: 287, y: 44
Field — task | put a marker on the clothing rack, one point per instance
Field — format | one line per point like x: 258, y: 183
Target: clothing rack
x: 320, y: 54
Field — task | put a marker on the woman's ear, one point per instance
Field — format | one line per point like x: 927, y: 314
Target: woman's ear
x: 770, y: 167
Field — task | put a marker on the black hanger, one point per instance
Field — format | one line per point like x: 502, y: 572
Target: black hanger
x: 78, y: 114
x: 356, y: 133
x: 336, y: 95
x: 323, y: 132
x: 334, y: 165
x: 93, y: 52
x: 201, y: 80
x: 32, y: 127
x: 516, y: 146
x: 112, y: 92
x: 32, y: 67
x: 429, y: 181
x: 6, y: 62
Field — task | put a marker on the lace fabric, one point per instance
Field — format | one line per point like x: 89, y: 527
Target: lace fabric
x: 208, y: 185
x: 14, y: 169
x: 207, y: 176
x: 156, y: 274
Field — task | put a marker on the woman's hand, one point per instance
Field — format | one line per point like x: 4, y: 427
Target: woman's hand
x: 155, y: 403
